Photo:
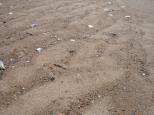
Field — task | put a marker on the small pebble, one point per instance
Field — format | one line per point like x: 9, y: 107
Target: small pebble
x: 28, y: 61
x: 97, y: 55
x: 72, y: 40
x: 90, y: 26
x: 127, y: 16
x: 10, y: 13
x: 143, y: 74
x: 99, y: 96
x: 58, y: 39
x: 23, y: 88
x: 1, y: 4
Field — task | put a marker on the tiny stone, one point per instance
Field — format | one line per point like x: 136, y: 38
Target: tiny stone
x: 23, y: 88
x: 1, y: 4
x: 10, y: 13
x: 97, y: 55
x: 99, y: 96
x: 72, y: 40
x: 143, y: 74
x: 90, y: 26
x: 127, y: 16
x: 28, y: 61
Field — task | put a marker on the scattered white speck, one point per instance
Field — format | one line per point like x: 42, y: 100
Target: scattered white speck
x: 97, y: 55
x: 34, y: 25
x: 90, y: 26
x: 58, y: 39
x: 10, y: 13
x: 23, y: 88
x: 123, y: 6
x: 2, y: 65
x: 72, y: 40
x: 28, y: 61
x: 110, y: 15
x: 106, y: 10
x: 109, y: 2
x: 99, y: 96
x: 39, y: 50
x: 143, y: 74
x: 127, y: 16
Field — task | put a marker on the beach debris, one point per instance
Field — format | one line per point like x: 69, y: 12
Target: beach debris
x: 10, y: 13
x: 110, y: 15
x: 51, y: 76
x: 34, y: 25
x: 1, y: 4
x: 2, y: 67
x: 113, y: 34
x: 90, y: 26
x: 72, y: 40
x: 60, y: 66
x: 39, y: 50
x: 127, y: 16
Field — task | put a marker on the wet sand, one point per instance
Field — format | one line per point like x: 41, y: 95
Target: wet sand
x: 96, y: 59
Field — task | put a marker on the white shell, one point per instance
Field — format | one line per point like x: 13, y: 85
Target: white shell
x: 127, y: 16
x: 39, y: 50
x: 10, y: 13
x: 90, y: 26
x: 2, y: 65
x: 34, y: 25
x: 72, y: 40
